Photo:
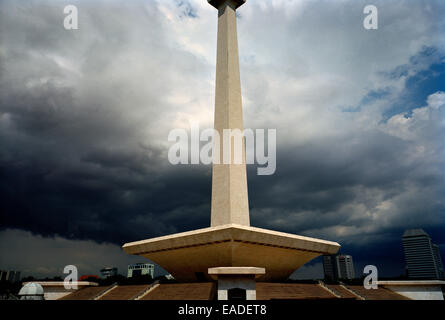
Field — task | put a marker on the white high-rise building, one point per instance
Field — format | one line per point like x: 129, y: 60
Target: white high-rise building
x: 422, y: 256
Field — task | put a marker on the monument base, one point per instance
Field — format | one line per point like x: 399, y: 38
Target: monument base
x: 187, y: 256
x: 236, y: 282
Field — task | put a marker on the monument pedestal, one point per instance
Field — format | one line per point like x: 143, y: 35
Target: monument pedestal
x: 236, y: 282
x: 187, y: 256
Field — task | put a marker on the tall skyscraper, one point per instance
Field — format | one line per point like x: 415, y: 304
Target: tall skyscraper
x: 422, y: 256
x: 345, y: 267
x: 438, y: 259
x: 330, y: 267
x: 338, y: 267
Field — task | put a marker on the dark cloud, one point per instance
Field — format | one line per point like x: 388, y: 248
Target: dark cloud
x: 47, y: 256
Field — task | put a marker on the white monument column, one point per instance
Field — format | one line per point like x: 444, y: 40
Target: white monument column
x: 230, y: 204
x: 230, y: 250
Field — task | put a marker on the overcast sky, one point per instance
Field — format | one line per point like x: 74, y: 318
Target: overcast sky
x: 85, y: 115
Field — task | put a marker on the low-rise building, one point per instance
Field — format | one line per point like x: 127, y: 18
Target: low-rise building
x: 141, y: 269
x: 108, y: 272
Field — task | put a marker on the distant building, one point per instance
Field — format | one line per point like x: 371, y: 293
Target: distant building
x: 10, y: 276
x: 338, y: 267
x: 88, y: 277
x: 108, y: 272
x: 422, y: 256
x: 17, y: 276
x: 141, y: 269
x: 330, y: 267
x: 438, y: 260
x: 345, y: 267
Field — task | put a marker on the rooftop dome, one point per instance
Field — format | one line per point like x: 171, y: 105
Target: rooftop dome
x: 31, y: 291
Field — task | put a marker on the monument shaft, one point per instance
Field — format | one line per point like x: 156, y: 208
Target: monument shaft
x: 230, y: 241
x: 230, y: 203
